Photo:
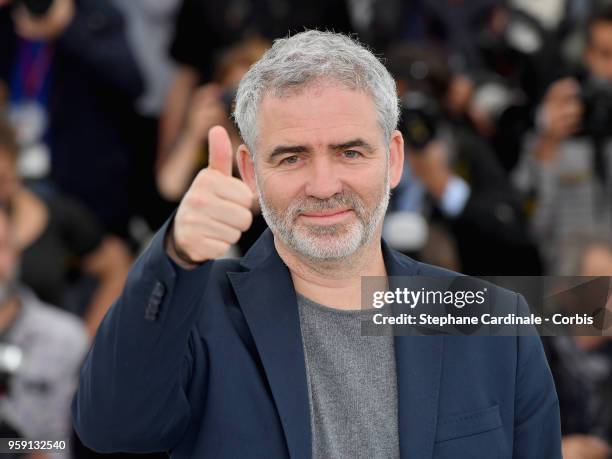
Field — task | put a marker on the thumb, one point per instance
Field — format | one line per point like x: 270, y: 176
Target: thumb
x: 219, y: 150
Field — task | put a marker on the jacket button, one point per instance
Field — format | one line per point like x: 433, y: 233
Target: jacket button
x: 157, y: 295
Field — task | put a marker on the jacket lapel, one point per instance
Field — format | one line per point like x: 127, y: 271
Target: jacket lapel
x: 418, y: 366
x: 267, y: 298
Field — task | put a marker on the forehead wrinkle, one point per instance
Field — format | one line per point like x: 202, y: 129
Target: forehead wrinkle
x: 292, y: 138
x: 292, y: 121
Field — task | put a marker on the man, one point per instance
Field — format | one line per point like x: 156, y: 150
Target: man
x: 453, y: 175
x: 567, y: 162
x: 41, y: 350
x: 60, y: 243
x: 582, y: 367
x: 204, y: 29
x: 261, y: 357
x: 61, y: 75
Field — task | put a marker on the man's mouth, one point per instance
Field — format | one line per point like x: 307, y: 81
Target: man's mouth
x: 327, y: 216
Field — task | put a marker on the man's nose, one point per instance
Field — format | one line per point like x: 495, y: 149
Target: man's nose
x: 323, y: 181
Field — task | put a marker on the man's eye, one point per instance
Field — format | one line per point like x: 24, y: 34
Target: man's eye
x: 352, y: 154
x: 289, y: 160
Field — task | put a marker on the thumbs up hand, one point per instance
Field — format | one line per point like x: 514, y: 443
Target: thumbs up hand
x: 214, y: 212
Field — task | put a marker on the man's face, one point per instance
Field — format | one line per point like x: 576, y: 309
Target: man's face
x: 323, y: 170
x: 598, y: 55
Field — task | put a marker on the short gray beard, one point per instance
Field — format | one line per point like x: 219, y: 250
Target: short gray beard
x: 326, y: 243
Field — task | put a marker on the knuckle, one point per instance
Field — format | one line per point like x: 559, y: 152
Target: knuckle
x: 246, y: 200
x: 208, y: 175
x: 183, y: 243
x: 198, y: 200
x: 246, y: 218
x: 201, y: 175
x: 191, y: 219
x: 234, y: 236
x: 245, y: 194
x: 217, y: 248
x: 179, y: 237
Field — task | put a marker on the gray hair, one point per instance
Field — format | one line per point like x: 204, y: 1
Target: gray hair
x: 307, y: 57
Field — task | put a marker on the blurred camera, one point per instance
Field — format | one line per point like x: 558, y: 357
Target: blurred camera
x: 420, y: 117
x: 505, y: 107
x: 36, y: 8
x: 597, y: 102
x: 422, y: 75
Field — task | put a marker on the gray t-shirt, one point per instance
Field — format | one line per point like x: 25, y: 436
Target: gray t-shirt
x: 352, y: 385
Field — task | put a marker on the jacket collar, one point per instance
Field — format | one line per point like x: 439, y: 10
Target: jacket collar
x: 267, y: 297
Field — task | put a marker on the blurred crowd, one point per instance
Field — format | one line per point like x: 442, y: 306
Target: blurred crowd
x: 105, y: 106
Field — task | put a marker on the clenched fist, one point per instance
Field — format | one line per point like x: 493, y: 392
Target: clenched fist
x: 214, y: 212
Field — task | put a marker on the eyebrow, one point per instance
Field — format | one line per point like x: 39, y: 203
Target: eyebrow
x: 352, y: 144
x: 285, y: 149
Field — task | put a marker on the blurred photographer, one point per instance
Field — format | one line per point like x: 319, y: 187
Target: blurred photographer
x: 211, y: 105
x: 73, y: 79
x: 451, y: 176
x: 582, y: 365
x: 62, y: 244
x: 41, y: 351
x: 567, y: 164
x: 519, y: 51
x: 206, y: 28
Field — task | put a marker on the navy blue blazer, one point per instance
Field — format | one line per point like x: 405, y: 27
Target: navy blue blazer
x: 209, y: 363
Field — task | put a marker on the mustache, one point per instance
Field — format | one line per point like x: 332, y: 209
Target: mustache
x: 342, y: 200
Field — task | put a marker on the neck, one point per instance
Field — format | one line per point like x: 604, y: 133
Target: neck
x: 334, y: 283
x: 8, y: 313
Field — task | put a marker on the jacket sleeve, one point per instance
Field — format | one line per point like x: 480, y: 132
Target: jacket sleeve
x: 537, y: 425
x: 131, y: 395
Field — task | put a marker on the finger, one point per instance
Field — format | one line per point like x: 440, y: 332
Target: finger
x: 206, y: 99
x: 220, y: 231
x: 215, y: 248
x: 236, y: 191
x: 208, y: 249
x: 207, y: 91
x: 230, y: 214
x: 208, y: 228
x: 205, y: 119
x: 567, y: 85
x: 219, y: 150
x: 211, y: 116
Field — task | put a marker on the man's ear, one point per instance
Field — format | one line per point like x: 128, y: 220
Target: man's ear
x: 246, y: 166
x: 396, y: 158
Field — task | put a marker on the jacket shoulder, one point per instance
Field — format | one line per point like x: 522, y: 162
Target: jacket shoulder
x: 502, y: 295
